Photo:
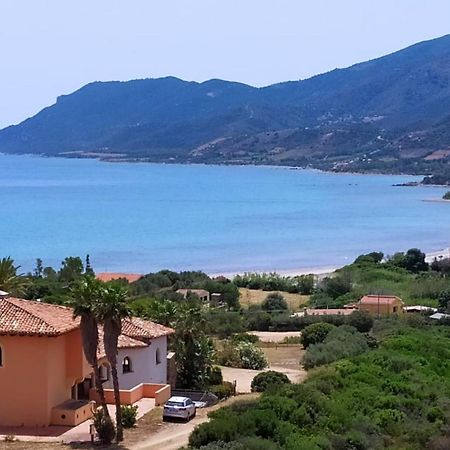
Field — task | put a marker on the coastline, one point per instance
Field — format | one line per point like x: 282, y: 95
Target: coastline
x: 320, y: 271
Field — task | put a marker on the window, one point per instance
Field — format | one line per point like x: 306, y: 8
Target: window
x: 158, y: 356
x: 126, y: 365
x: 104, y: 373
x: 1, y: 357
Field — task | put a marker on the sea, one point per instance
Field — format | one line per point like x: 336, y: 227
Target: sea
x: 141, y: 217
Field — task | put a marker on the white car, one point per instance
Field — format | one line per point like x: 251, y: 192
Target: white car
x: 180, y: 408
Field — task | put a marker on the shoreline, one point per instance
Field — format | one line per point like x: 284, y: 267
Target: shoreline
x: 320, y: 271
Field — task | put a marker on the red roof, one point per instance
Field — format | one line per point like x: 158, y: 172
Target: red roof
x: 109, y: 276
x: 380, y: 300
x: 28, y: 317
x: 33, y: 318
x: 136, y: 327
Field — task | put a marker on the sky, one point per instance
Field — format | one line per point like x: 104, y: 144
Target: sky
x: 53, y: 47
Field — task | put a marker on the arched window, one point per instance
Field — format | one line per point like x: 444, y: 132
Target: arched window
x: 158, y: 356
x: 126, y: 365
x: 1, y: 357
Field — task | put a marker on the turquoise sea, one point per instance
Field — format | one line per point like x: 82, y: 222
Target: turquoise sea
x: 145, y: 217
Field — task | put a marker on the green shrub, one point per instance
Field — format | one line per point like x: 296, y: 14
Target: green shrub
x: 215, y: 376
x: 361, y: 320
x: 265, y: 379
x: 223, y: 390
x: 250, y: 356
x: 274, y: 302
x: 315, y: 333
x: 104, y: 426
x: 245, y: 337
x: 340, y: 343
x: 129, y: 415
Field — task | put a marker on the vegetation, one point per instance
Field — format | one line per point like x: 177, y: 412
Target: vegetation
x: 264, y: 380
x: 274, y: 302
x: 315, y: 333
x: 104, y: 427
x: 302, y: 284
x: 10, y: 280
x: 241, y: 354
x: 339, y: 343
x: 446, y: 196
x: 129, y: 415
x: 395, y: 396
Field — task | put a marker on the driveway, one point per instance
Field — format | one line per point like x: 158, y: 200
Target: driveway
x: 174, y: 435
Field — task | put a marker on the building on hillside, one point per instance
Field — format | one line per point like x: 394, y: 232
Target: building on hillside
x: 45, y: 378
x: 381, y: 304
x: 202, y: 294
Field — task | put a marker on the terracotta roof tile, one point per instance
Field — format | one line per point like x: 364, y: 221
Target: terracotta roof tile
x: 136, y: 327
x: 124, y: 342
x: 28, y: 317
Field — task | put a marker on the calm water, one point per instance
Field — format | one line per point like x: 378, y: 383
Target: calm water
x: 144, y: 217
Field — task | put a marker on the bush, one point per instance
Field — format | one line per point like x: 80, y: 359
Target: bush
x: 223, y: 390
x: 215, y: 376
x: 274, y: 303
x: 251, y: 357
x: 361, y: 320
x: 104, y: 426
x: 245, y: 337
x: 129, y: 415
x: 265, y: 379
x: 340, y: 343
x: 315, y: 333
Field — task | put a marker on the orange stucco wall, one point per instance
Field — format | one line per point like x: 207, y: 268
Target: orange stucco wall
x: 37, y: 375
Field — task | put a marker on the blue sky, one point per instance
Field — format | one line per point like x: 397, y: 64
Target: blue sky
x: 53, y: 47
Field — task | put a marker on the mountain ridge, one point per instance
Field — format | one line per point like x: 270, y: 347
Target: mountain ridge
x: 387, y: 114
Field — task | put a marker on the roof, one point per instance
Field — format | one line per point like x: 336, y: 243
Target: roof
x: 380, y: 300
x: 138, y: 328
x: 419, y: 308
x: 439, y: 316
x: 123, y: 342
x: 109, y: 276
x: 329, y: 312
x: 32, y: 318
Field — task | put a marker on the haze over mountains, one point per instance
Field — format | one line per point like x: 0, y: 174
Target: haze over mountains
x: 388, y: 114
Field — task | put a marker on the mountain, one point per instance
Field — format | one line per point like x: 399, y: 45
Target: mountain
x: 388, y: 114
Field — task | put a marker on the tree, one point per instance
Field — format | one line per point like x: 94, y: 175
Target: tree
x: 274, y: 302
x: 71, y: 269
x: 361, y: 320
x: 442, y: 266
x: 269, y: 378
x: 39, y: 269
x: 10, y: 281
x: 111, y: 309
x: 194, y: 349
x: 315, y: 333
x: 84, y: 296
x: 88, y: 270
x: 370, y: 258
x: 414, y: 261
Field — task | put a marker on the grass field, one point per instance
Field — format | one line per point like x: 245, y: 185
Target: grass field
x: 255, y: 297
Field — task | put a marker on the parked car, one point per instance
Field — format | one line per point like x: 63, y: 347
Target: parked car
x: 180, y: 408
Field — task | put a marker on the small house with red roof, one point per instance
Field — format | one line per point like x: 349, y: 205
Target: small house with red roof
x: 45, y: 378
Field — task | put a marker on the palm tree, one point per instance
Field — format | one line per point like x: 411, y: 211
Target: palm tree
x: 111, y: 310
x: 10, y: 281
x: 86, y: 294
